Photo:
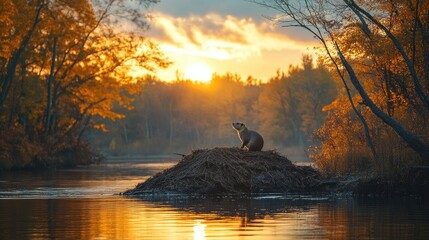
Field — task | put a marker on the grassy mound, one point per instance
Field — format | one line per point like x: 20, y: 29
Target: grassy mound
x: 231, y: 170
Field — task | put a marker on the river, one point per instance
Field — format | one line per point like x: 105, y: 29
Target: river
x: 84, y: 203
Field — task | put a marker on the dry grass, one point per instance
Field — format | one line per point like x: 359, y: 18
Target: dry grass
x: 231, y: 170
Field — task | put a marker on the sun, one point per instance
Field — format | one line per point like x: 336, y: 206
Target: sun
x: 198, y: 72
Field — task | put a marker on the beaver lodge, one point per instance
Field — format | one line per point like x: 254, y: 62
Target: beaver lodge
x: 231, y: 170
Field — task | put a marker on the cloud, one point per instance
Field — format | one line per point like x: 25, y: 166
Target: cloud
x: 219, y: 37
x: 242, y: 8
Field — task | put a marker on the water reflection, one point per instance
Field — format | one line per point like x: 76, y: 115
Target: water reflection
x: 268, y: 217
x: 375, y: 219
x: 199, y: 230
x: 81, y: 204
x: 83, y: 182
x: 123, y: 218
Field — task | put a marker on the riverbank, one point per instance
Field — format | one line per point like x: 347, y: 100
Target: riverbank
x: 413, y: 182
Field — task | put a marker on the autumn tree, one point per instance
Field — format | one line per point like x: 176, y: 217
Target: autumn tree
x: 380, y: 49
x: 76, y: 59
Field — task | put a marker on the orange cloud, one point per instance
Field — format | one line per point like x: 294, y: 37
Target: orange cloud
x: 214, y: 38
x: 221, y: 37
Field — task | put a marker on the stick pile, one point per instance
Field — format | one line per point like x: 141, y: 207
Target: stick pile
x: 231, y: 170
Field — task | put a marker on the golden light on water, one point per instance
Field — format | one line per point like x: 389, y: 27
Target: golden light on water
x: 119, y: 218
x: 199, y: 230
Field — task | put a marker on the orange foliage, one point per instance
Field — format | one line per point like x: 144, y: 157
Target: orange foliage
x: 387, y: 80
x: 63, y: 64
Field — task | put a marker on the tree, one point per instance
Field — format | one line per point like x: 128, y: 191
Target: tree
x: 333, y: 20
x: 81, y: 61
x: 13, y: 52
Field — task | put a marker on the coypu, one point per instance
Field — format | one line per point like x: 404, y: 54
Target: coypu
x: 252, y: 140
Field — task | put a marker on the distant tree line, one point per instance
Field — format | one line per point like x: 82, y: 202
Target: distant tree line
x: 184, y: 115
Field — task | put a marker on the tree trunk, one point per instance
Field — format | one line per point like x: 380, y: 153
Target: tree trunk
x: 6, y: 80
x: 49, y: 89
x: 414, y: 142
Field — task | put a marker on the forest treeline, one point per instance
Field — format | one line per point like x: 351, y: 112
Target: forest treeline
x: 179, y: 116
x: 66, y: 93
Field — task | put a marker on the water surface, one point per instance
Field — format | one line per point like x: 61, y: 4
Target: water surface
x: 83, y: 203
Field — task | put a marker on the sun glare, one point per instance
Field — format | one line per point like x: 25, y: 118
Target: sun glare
x: 198, y: 72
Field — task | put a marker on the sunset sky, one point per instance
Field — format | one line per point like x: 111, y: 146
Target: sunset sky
x: 227, y: 36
